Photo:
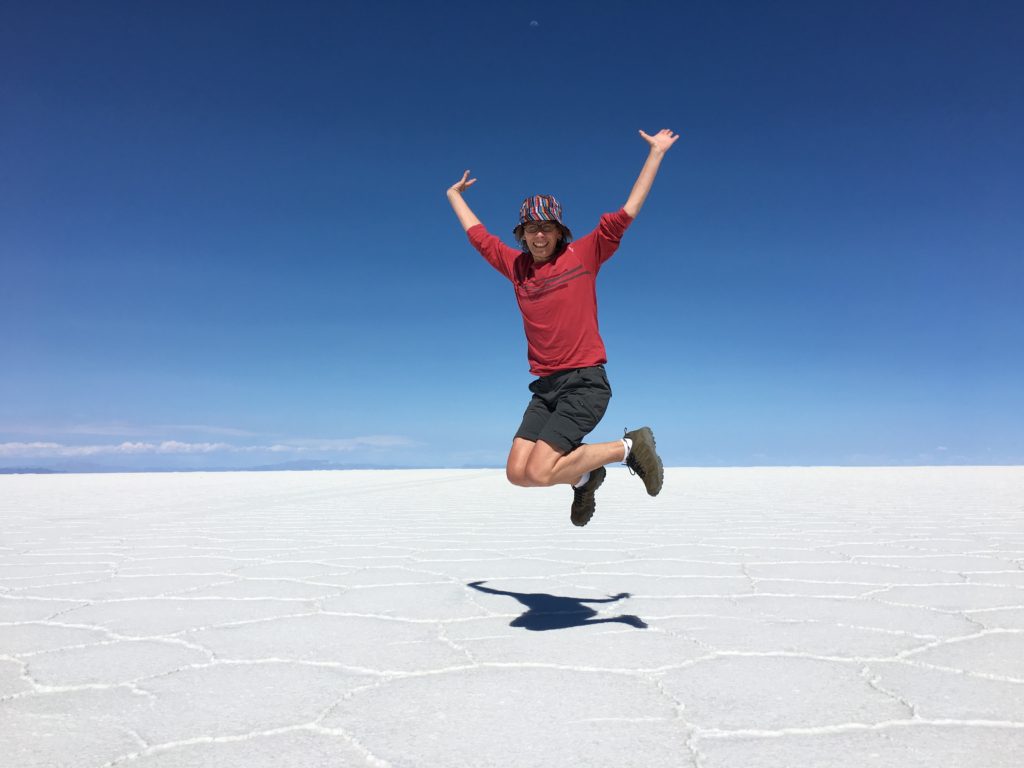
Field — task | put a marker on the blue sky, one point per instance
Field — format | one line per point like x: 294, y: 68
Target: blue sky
x: 225, y: 242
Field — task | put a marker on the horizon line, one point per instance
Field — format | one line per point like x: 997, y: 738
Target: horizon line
x: 466, y: 467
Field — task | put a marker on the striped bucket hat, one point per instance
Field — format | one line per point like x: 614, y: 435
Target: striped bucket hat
x: 541, y: 208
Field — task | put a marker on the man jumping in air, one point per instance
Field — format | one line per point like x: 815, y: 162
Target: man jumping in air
x: 554, y: 279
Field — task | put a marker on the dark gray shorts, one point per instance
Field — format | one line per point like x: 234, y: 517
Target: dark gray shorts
x: 565, y: 407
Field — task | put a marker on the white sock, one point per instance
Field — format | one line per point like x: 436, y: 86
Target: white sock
x: 583, y: 480
x: 627, y: 444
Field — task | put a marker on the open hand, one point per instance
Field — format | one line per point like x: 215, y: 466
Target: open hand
x: 661, y: 141
x: 462, y: 184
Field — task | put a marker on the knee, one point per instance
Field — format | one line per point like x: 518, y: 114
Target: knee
x: 517, y: 476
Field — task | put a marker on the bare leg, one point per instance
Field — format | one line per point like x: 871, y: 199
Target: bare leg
x: 515, y: 467
x: 538, y: 464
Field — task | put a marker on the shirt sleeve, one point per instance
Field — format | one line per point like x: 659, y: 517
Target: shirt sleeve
x: 604, y: 240
x: 498, y: 255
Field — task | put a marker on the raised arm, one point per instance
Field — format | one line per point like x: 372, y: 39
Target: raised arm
x: 660, y: 143
x: 466, y: 216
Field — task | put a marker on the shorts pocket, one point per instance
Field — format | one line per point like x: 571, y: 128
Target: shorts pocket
x: 588, y: 407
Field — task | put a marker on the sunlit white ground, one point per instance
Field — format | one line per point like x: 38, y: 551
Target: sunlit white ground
x: 794, y: 617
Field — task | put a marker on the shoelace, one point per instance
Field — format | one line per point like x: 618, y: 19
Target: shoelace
x: 634, y: 468
x: 631, y: 465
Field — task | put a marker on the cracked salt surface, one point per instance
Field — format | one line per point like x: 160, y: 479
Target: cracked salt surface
x: 745, y: 617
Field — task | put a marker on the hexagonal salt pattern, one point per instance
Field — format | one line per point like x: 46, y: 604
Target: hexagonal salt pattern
x: 746, y: 617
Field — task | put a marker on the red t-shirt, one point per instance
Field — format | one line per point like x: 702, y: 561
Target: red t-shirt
x: 558, y: 298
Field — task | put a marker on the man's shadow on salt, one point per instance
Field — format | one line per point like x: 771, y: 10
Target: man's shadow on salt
x: 544, y: 611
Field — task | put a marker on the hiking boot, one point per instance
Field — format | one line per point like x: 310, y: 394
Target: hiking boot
x: 583, y: 499
x: 644, y: 460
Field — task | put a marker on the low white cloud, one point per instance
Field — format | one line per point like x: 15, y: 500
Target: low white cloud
x: 30, y: 449
x: 278, y: 448
x: 174, y: 446
x: 40, y: 449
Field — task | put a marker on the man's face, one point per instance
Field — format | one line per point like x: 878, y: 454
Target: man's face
x: 541, y: 238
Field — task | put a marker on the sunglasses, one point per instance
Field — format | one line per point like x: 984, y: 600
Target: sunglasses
x: 546, y: 227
